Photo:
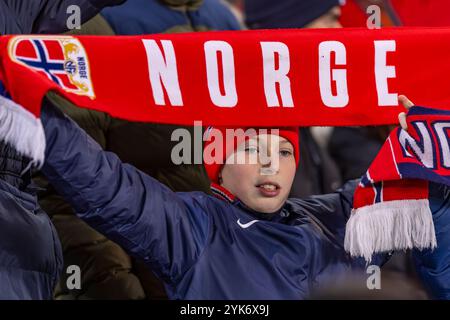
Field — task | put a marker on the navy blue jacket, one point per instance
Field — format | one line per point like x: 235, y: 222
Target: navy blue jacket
x: 201, y: 246
x: 30, y: 253
x: 211, y: 15
x: 44, y: 16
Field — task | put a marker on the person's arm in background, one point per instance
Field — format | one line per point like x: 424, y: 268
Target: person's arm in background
x: 331, y: 212
x: 46, y: 16
x: 167, y: 231
x: 433, y: 266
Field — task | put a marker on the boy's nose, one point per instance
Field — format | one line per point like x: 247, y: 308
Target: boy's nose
x: 270, y: 165
x: 268, y: 171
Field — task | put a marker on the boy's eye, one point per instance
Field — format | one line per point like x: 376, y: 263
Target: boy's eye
x: 285, y: 153
x: 251, y: 149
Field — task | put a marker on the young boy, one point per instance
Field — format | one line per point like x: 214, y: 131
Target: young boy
x: 249, y: 242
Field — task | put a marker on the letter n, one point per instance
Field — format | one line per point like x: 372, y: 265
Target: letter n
x: 162, y: 68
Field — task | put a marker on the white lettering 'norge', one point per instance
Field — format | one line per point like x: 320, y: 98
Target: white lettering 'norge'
x: 275, y: 57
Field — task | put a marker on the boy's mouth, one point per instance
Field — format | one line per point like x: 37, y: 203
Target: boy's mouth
x: 269, y: 189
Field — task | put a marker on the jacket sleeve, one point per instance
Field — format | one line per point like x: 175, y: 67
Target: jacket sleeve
x: 331, y: 213
x: 168, y: 231
x: 50, y: 16
x: 433, y: 266
x: 333, y: 210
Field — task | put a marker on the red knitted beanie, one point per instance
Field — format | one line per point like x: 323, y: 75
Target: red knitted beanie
x: 232, y: 138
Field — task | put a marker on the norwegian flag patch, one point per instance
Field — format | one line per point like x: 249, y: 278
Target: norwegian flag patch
x: 62, y: 59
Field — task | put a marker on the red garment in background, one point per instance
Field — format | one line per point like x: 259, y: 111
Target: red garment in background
x: 352, y: 15
x: 423, y: 13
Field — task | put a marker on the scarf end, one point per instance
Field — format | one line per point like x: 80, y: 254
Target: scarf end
x: 22, y: 130
x: 388, y: 226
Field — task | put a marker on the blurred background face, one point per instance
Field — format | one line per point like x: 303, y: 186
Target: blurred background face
x: 328, y: 20
x: 261, y: 184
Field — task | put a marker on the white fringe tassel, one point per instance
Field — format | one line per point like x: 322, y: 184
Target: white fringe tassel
x: 390, y: 225
x: 22, y: 130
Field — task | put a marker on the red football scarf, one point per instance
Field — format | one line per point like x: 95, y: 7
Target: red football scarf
x: 391, y: 209
x: 266, y: 78
x: 252, y: 78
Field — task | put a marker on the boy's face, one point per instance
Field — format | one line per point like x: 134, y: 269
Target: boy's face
x: 262, y: 184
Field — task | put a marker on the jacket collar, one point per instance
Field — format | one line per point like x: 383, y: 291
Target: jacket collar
x: 225, y: 195
x: 222, y: 193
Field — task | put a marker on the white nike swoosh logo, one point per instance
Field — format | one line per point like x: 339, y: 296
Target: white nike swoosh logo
x: 246, y: 225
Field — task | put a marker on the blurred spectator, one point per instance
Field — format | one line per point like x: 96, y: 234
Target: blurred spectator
x: 107, y: 271
x: 237, y: 7
x: 392, y: 286
x: 269, y: 14
x: 317, y: 172
x: 168, y: 16
x: 44, y: 16
x: 365, y: 142
x: 419, y: 13
x: 30, y: 251
x: 422, y: 13
x: 354, y: 13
